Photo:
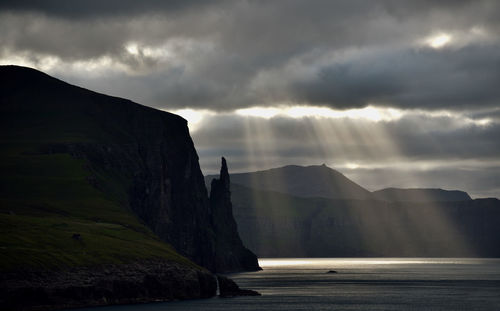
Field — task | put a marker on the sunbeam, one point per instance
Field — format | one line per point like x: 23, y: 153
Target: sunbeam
x: 355, y: 141
x: 359, y: 139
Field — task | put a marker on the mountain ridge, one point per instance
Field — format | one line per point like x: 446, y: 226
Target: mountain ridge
x: 303, y: 181
x: 274, y: 224
x: 420, y: 194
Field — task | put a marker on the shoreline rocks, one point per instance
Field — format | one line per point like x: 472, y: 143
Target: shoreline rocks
x: 228, y: 288
x: 138, y: 282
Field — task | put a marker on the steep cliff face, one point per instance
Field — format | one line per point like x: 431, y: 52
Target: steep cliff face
x: 94, y: 192
x: 164, y: 183
x: 138, y: 158
x: 230, y: 253
x: 142, y: 155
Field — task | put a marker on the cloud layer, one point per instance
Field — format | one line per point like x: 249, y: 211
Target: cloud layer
x: 416, y: 149
x: 228, y: 55
x: 435, y: 62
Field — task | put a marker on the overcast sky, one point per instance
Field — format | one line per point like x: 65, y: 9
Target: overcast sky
x: 391, y: 93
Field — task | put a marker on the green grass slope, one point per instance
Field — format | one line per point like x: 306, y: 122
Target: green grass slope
x: 46, y: 197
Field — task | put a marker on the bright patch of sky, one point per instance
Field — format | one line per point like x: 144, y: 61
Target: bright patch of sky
x: 195, y: 117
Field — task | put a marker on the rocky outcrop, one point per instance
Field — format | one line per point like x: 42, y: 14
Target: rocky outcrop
x: 230, y: 253
x: 144, y: 281
x: 228, y: 288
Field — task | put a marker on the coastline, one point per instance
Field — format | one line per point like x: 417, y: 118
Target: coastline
x: 150, y: 280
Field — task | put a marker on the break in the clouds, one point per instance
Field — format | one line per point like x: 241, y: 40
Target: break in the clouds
x: 408, y: 88
x: 375, y: 148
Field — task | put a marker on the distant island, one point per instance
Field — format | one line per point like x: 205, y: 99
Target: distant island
x: 315, y: 211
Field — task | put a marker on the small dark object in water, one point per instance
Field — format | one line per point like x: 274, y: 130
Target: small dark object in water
x: 77, y: 236
x: 332, y: 271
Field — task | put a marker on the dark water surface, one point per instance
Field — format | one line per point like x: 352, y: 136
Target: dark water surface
x: 359, y: 284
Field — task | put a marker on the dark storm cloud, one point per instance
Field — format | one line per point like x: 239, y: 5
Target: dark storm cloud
x: 493, y: 114
x: 424, y: 78
x: 254, y: 43
x: 463, y: 79
x: 43, y: 30
x: 420, y: 138
x: 98, y: 8
x: 227, y: 55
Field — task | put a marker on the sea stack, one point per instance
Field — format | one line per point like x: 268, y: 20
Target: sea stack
x: 230, y: 254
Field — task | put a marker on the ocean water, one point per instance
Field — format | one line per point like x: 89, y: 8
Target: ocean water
x: 359, y: 284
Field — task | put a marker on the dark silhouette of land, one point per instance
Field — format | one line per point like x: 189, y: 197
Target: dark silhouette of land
x: 296, y: 211
x: 102, y: 201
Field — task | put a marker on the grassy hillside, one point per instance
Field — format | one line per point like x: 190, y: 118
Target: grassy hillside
x: 47, y: 195
x: 47, y: 198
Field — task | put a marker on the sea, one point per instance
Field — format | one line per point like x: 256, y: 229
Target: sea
x: 356, y: 284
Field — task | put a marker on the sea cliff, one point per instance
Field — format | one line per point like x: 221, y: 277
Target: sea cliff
x: 91, y: 183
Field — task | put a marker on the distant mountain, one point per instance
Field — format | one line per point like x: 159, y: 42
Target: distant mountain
x: 315, y: 211
x: 420, y: 195
x: 322, y: 181
x: 302, y: 181
x: 274, y: 224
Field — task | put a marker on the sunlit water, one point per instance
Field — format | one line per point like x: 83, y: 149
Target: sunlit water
x: 359, y: 284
